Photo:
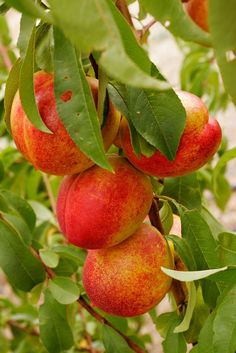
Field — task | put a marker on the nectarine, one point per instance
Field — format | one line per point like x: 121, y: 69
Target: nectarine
x: 54, y: 153
x: 198, y: 11
x: 126, y: 279
x: 98, y: 209
x: 199, y: 142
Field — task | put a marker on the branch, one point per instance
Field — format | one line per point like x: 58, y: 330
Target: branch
x: 154, y: 216
x: 104, y: 321
x: 122, y: 6
x: 29, y: 330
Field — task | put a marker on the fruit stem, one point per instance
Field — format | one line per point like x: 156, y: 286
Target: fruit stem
x: 154, y: 216
x: 104, y: 321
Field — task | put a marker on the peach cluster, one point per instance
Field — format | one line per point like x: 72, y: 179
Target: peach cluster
x: 104, y: 212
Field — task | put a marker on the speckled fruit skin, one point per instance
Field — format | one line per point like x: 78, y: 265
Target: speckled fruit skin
x: 54, y: 153
x: 198, y: 11
x: 98, y: 209
x: 126, y: 280
x: 199, y: 142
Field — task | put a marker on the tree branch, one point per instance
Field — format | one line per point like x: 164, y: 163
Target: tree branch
x: 154, y: 216
x: 104, y: 321
x: 122, y: 6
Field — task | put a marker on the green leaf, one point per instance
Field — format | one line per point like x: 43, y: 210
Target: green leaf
x: 205, y: 342
x: 42, y: 212
x: 184, y: 251
x: 174, y: 342
x: 224, y: 326
x: 166, y: 216
x: 26, y: 24
x: 20, y: 227
x: 204, y: 248
x: 164, y: 321
x: 49, y: 257
x: 78, y: 114
x: 64, y: 290
x: 113, y: 342
x: 71, y: 252
x: 172, y: 15
x: 224, y: 159
x: 44, y: 47
x: 22, y: 268
x: 222, y: 22
x: 222, y: 191
x: 188, y: 276
x: 12, y: 86
x: 30, y: 8
x: 214, y: 225
x: 158, y: 117
x: 55, y: 331
x: 26, y: 85
x: 21, y: 206
x: 192, y: 299
x: 199, y: 237
x: 184, y: 190
x: 98, y: 26
x: 227, y: 248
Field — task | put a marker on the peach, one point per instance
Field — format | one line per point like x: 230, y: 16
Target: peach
x: 98, y: 209
x: 126, y: 280
x: 198, y: 11
x: 176, y: 226
x: 199, y: 142
x: 54, y: 153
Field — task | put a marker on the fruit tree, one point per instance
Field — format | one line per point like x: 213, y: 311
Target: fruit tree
x: 111, y: 174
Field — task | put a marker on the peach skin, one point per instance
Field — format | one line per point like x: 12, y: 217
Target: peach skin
x: 198, y: 11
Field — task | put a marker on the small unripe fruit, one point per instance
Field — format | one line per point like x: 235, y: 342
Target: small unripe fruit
x: 54, y: 153
x: 198, y: 10
x: 98, y: 209
x: 199, y: 142
x: 126, y: 280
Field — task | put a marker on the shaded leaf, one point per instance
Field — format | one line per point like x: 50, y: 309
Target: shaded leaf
x: 30, y: 8
x: 184, y: 251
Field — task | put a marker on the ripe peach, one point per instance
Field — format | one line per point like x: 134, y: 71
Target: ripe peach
x: 198, y: 11
x: 54, y: 153
x: 98, y: 209
x: 126, y: 279
x: 199, y: 142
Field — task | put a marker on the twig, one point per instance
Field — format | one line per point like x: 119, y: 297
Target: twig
x: 5, y: 57
x: 29, y: 330
x: 154, y: 216
x: 49, y: 192
x: 122, y: 6
x: 104, y: 321
x: 142, y: 32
